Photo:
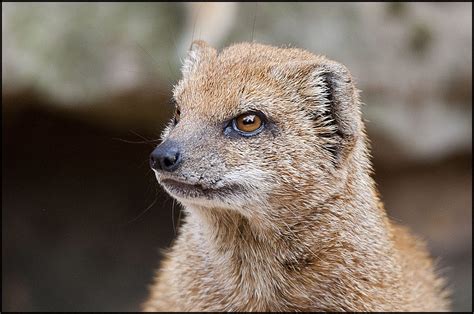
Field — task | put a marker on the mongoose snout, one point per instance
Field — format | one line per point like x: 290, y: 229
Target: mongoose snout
x: 166, y: 156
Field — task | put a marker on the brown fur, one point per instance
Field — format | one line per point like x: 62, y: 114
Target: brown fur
x: 304, y: 229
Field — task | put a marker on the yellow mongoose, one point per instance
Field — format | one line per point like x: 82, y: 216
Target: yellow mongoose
x: 268, y: 155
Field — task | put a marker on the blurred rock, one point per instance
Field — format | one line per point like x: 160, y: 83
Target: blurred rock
x: 411, y: 60
x: 78, y: 53
x: 209, y: 21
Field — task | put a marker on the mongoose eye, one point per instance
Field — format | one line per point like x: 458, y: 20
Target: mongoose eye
x: 177, y: 114
x: 248, y: 123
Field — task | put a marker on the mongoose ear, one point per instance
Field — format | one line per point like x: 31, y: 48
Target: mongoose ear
x: 330, y: 100
x: 199, y: 52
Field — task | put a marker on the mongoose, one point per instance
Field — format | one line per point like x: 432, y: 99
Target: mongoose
x: 268, y: 155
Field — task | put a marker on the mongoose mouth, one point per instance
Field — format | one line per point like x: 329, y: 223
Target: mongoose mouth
x: 185, y: 190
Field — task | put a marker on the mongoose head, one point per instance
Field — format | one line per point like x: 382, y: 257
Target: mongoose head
x: 258, y: 125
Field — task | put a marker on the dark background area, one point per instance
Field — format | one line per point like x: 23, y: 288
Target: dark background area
x: 85, y: 95
x: 71, y: 192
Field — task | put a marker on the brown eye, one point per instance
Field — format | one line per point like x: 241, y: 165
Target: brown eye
x: 248, y: 122
x: 177, y: 115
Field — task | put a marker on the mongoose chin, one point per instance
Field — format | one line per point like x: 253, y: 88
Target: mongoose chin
x: 268, y: 155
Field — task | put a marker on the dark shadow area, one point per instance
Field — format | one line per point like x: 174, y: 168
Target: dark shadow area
x: 71, y: 192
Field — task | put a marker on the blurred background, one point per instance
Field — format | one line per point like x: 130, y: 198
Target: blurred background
x: 85, y: 94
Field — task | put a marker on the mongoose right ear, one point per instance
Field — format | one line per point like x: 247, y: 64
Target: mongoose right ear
x: 198, y: 53
x: 330, y: 99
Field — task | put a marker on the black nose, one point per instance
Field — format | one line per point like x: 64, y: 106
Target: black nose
x: 166, y: 156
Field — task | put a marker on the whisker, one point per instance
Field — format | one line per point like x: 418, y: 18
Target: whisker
x: 172, y: 216
x: 179, y: 218
x: 141, y: 214
x: 147, y: 53
x: 172, y: 38
x: 194, y: 25
x: 143, y: 137
x: 155, y: 62
x: 145, y: 162
x: 254, y: 20
x: 133, y: 142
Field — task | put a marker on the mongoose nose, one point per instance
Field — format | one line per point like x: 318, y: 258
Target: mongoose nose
x: 166, y: 157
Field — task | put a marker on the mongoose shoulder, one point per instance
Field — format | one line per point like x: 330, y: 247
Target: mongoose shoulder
x: 268, y: 155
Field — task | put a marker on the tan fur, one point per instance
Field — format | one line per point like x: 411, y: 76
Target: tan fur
x: 304, y: 229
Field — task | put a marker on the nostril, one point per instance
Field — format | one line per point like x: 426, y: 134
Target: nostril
x: 170, y: 160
